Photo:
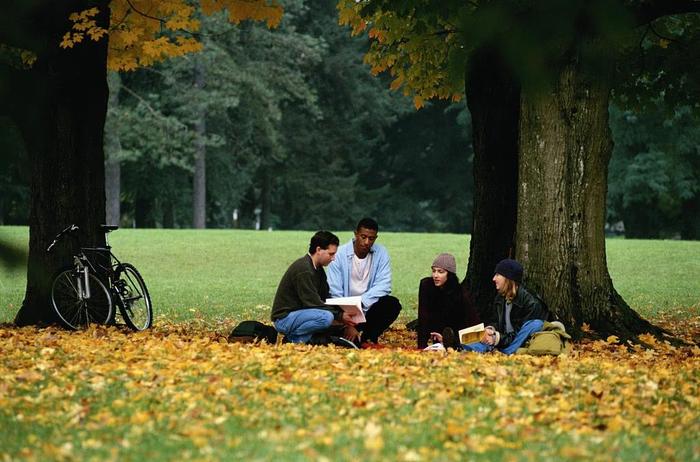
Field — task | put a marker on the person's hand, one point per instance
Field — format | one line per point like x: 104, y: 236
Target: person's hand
x: 350, y: 333
x: 436, y: 337
x: 489, y: 337
x: 347, y: 319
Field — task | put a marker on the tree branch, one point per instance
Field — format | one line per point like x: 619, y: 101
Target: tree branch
x: 669, y: 39
x: 642, y: 53
x: 145, y: 15
x: 646, y: 12
x: 159, y: 116
x: 120, y: 22
x: 150, y: 108
x: 196, y: 35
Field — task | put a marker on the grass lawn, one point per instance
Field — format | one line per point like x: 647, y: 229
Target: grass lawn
x: 218, y: 275
x: 180, y: 391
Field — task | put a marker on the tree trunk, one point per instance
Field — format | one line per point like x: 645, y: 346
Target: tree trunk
x: 62, y: 122
x: 690, y: 221
x: 642, y: 220
x: 265, y: 197
x: 113, y: 148
x: 493, y: 98
x: 143, y: 211
x: 113, y: 190
x: 565, y: 146
x: 199, y: 199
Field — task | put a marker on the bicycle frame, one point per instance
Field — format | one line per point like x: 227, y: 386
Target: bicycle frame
x: 85, y: 264
x: 82, y: 278
x: 107, y: 269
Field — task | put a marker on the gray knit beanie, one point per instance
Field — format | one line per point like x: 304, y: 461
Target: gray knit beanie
x: 445, y: 261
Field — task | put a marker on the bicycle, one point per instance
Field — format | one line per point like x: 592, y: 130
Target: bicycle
x: 80, y: 297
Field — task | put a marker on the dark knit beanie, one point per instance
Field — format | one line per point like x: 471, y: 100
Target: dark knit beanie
x: 445, y: 261
x: 510, y: 269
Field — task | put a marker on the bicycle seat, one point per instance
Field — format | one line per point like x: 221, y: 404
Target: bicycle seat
x: 108, y: 228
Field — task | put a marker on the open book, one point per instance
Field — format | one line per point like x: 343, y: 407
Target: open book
x: 352, y: 305
x: 471, y: 334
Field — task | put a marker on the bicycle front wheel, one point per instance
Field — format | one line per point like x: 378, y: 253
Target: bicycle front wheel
x: 77, y: 307
x: 135, y: 303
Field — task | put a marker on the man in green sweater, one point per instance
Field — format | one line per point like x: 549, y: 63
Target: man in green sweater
x: 298, y: 310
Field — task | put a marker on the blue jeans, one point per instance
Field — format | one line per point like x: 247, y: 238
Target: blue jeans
x: 529, y: 328
x: 298, y: 326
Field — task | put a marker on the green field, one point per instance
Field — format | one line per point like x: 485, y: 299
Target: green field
x: 180, y: 391
x: 232, y: 274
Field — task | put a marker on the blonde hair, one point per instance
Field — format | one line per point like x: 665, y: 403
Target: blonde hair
x: 509, y: 289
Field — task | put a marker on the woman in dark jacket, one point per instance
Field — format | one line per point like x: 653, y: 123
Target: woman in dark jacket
x: 517, y: 313
x: 442, y: 301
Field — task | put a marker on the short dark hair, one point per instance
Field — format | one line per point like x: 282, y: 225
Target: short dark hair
x: 322, y: 239
x: 367, y: 223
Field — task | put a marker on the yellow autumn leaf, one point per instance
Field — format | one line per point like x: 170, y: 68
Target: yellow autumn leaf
x: 396, y: 83
x: 418, y: 102
x: 140, y: 418
x: 649, y: 339
x: 373, y: 439
x: 66, y: 42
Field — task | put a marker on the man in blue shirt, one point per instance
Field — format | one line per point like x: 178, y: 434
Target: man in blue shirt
x: 363, y: 268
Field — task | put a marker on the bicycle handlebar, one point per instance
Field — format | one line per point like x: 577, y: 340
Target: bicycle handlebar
x: 59, y: 236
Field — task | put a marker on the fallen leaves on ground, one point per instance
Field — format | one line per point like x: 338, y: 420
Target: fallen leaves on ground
x: 183, y: 391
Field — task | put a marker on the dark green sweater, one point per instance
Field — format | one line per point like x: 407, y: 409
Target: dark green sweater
x: 302, y: 286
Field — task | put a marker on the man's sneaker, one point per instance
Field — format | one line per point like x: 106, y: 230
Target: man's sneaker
x: 449, y: 339
x: 342, y: 342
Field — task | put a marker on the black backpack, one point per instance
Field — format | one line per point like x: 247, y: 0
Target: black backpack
x: 253, y: 332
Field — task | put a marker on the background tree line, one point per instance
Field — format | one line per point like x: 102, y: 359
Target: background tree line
x: 288, y: 122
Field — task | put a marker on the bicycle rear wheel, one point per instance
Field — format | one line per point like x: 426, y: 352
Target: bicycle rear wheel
x: 74, y: 309
x: 134, y: 301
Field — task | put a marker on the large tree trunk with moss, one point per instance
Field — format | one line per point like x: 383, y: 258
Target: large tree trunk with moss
x: 493, y: 97
x: 62, y: 120
x: 565, y: 146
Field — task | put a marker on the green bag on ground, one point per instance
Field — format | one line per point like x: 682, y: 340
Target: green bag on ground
x: 551, y: 340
